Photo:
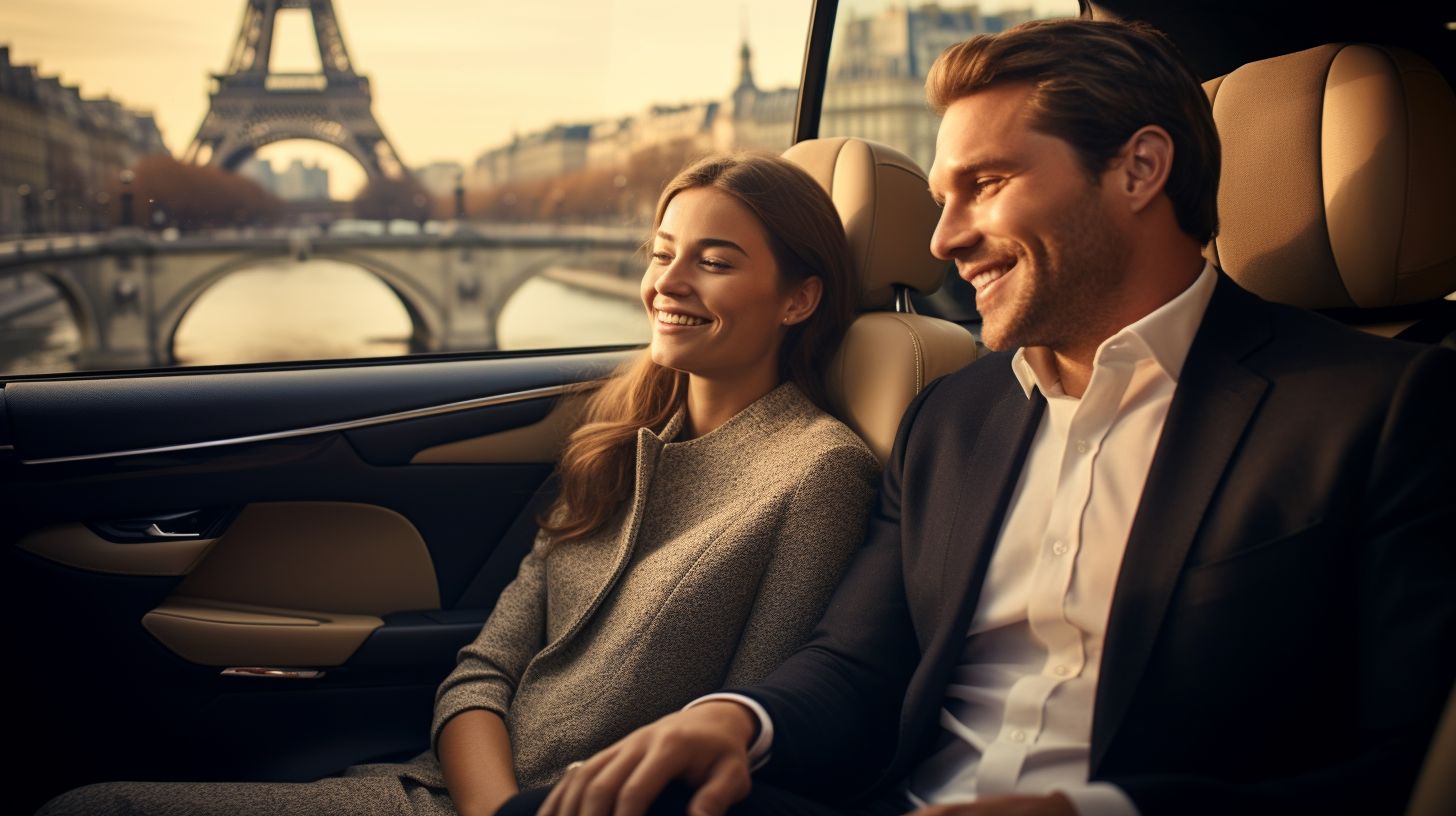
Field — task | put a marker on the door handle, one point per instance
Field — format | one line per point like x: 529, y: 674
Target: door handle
x: 207, y: 522
x: 158, y: 532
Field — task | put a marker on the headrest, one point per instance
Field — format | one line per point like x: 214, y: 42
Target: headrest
x: 888, y: 214
x: 1339, y: 178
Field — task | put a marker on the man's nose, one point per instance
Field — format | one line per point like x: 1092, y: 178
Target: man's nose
x: 955, y: 232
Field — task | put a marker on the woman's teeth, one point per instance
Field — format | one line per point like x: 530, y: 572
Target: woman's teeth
x: 679, y: 319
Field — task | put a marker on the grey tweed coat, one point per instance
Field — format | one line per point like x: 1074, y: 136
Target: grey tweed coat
x: 714, y: 569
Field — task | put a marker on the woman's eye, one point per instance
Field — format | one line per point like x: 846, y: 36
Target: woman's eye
x: 662, y: 257
x: 715, y: 264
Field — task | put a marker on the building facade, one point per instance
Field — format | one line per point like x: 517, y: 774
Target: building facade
x: 875, y: 90
x: 876, y: 84
x: 61, y: 155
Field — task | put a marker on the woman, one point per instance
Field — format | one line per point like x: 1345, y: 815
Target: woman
x: 708, y: 505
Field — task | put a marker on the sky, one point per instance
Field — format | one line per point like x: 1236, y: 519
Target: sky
x: 450, y: 78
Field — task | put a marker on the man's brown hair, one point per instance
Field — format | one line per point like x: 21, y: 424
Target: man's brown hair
x: 1094, y: 84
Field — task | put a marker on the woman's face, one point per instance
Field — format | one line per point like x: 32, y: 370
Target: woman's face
x: 713, y: 293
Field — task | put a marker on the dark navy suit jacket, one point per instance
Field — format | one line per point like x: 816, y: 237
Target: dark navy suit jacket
x: 1283, y: 630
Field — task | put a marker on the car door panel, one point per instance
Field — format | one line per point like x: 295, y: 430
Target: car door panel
x: 356, y: 522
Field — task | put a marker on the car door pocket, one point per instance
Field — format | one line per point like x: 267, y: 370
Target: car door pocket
x: 219, y: 633
x: 420, y: 638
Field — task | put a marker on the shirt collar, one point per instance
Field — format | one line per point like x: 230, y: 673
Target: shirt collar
x: 1164, y: 335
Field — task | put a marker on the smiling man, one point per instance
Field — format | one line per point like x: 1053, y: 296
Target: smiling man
x: 1173, y: 550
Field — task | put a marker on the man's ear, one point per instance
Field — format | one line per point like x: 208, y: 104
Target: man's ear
x: 803, y: 300
x: 1143, y: 165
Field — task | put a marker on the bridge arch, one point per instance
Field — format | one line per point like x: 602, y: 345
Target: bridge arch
x: 78, y: 303
x: 426, y: 321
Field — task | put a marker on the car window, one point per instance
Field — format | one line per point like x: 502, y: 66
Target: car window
x: 875, y: 88
x: 187, y: 184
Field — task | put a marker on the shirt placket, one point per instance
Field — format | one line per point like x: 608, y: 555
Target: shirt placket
x: 1047, y: 613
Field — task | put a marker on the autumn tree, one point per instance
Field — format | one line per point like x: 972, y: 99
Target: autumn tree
x: 384, y: 199
x: 594, y: 194
x: 170, y: 193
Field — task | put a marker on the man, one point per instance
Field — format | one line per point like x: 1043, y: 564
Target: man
x: 1176, y: 550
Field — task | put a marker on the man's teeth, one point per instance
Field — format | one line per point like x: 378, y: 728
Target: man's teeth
x: 679, y: 319
x: 987, y: 277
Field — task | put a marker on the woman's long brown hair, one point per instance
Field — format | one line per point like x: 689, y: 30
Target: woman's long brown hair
x: 807, y: 239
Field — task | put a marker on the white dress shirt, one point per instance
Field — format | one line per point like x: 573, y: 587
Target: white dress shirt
x: 1018, y: 710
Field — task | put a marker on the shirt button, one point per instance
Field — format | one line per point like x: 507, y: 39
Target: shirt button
x: 1060, y: 548
x: 1081, y: 446
x: 1018, y: 736
x: 1062, y: 671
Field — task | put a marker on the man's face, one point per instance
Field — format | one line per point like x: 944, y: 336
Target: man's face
x: 1024, y: 224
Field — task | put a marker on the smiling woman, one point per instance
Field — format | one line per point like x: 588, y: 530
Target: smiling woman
x: 708, y: 505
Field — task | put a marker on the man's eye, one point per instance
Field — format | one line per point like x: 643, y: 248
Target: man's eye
x: 989, y: 184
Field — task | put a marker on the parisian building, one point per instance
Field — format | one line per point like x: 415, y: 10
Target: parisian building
x: 61, y: 155
x: 875, y: 90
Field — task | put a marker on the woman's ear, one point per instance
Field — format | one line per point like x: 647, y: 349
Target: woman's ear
x: 803, y: 300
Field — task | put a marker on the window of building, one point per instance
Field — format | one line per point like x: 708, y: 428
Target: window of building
x: 343, y: 179
x: 875, y: 87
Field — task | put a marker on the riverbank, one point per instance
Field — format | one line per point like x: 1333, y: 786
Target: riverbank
x: 600, y: 283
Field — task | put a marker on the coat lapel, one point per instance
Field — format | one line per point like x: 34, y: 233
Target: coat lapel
x: 1216, y: 399
x: 996, y: 458
x: 982, y: 472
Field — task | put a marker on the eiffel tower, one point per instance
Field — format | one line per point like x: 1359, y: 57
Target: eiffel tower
x: 251, y: 106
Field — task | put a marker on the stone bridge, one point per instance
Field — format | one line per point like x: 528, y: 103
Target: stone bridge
x: 128, y: 291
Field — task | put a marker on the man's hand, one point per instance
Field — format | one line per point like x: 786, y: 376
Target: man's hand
x: 1054, y: 804
x: 705, y: 746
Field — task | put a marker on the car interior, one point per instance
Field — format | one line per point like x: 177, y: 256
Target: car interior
x: 263, y: 572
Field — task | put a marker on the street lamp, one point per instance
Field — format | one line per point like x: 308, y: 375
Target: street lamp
x: 25, y: 204
x: 127, y: 177
x: 49, y: 215
x: 101, y: 212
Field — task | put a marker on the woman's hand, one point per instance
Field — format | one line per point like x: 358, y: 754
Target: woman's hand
x: 705, y: 746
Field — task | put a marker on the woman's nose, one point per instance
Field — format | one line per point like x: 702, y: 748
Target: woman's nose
x: 672, y: 279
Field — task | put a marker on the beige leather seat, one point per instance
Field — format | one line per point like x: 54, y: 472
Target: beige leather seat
x: 1339, y: 183
x: 889, y: 353
x: 1339, y: 193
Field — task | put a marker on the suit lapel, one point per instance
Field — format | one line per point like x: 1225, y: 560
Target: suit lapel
x: 995, y: 458
x: 1215, y: 400
x: 982, y: 471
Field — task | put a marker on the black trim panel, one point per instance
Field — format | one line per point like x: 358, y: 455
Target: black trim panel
x: 57, y: 418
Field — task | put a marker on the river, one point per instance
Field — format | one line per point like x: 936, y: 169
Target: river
x: 317, y: 309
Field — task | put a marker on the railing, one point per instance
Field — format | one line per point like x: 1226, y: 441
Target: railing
x: 296, y: 82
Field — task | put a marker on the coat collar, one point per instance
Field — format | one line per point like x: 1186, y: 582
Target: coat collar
x: 1216, y: 400
x: 765, y: 415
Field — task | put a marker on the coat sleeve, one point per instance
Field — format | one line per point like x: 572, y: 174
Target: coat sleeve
x: 835, y: 703
x: 823, y: 526
x: 489, y: 669
x: 1403, y: 647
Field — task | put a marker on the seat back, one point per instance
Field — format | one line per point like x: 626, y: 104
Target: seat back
x: 1338, y: 190
x: 1435, y: 791
x: 888, y: 356
x: 1338, y: 193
